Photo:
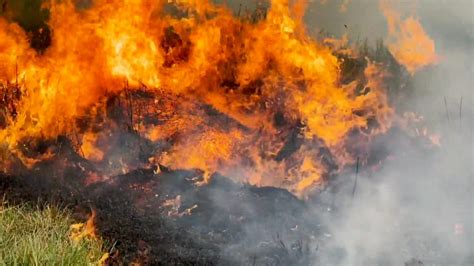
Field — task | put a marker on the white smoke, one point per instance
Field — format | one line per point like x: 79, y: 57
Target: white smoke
x: 420, y: 205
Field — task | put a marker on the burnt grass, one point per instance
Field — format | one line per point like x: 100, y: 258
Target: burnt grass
x: 230, y: 224
x: 153, y: 215
x: 220, y: 223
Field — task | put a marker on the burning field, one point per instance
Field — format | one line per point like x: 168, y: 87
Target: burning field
x: 197, y: 133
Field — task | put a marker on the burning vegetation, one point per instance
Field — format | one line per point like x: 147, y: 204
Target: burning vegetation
x: 270, y: 82
x: 147, y: 105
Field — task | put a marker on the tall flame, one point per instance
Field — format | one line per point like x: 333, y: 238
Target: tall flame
x: 249, y: 70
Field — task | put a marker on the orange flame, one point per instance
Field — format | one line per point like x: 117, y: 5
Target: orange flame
x: 89, y: 148
x: 408, y: 41
x: 80, y: 231
x: 249, y: 71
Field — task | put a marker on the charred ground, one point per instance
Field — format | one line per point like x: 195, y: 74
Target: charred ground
x: 154, y: 215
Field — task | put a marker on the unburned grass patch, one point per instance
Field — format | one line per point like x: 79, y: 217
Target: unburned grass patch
x: 33, y: 235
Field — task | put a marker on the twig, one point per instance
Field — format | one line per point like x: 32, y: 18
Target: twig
x: 254, y: 260
x: 78, y: 142
x: 16, y: 75
x: 355, y: 181
x: 128, y: 95
x: 112, y: 249
x: 446, y: 107
x: 460, y: 112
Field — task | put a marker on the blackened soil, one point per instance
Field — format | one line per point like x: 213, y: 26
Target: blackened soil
x: 166, y: 218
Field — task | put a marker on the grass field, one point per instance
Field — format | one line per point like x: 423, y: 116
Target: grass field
x: 30, y: 235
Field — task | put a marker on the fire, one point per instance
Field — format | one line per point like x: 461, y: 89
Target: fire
x: 174, y: 206
x: 84, y: 230
x: 344, y: 5
x: 415, y: 125
x: 89, y: 147
x: 257, y: 100
x: 408, y: 41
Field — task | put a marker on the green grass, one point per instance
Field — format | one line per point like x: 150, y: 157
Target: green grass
x: 40, y: 236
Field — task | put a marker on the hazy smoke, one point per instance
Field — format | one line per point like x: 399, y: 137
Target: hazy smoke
x: 420, y: 205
